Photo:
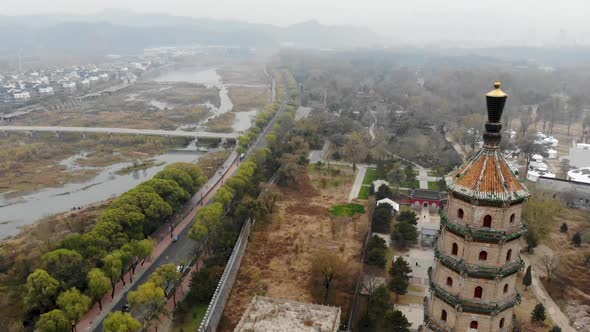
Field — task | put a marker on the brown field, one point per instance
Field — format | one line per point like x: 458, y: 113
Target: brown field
x: 277, y: 262
x: 244, y: 73
x: 221, y: 123
x: 131, y: 108
x: 247, y: 98
x: 572, y: 281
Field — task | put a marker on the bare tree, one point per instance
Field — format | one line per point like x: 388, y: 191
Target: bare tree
x: 525, y: 120
x: 356, y: 149
x: 370, y: 284
x: 550, y: 262
x: 269, y: 196
x: 327, y: 269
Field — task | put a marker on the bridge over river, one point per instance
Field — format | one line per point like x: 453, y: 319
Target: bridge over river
x: 119, y: 131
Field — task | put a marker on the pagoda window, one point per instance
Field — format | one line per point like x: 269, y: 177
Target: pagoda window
x: 505, y: 288
x: 450, y: 282
x: 443, y: 316
x: 473, y: 325
x: 487, y: 221
x: 460, y: 214
x: 483, y: 256
x: 512, y: 218
x: 502, y: 323
x: 455, y: 249
x: 478, y: 292
x: 509, y: 255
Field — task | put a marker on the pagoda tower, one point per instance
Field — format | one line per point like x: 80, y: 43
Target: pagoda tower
x: 473, y: 282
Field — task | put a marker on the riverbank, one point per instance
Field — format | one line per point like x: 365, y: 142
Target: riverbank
x: 30, y: 163
x: 138, y: 166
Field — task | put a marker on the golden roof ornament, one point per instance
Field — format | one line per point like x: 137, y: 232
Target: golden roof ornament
x: 497, y: 92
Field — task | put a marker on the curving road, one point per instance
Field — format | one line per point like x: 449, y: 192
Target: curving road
x: 122, y: 131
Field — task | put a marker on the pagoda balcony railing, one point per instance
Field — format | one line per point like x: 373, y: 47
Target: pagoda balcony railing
x: 483, y: 234
x: 437, y: 325
x: 478, y: 271
x: 473, y: 306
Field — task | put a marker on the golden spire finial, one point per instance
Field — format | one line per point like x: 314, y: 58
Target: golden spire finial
x: 497, y: 92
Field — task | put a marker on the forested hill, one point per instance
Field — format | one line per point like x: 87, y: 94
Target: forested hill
x: 120, y: 31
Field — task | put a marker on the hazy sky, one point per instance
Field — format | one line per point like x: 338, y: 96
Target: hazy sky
x: 536, y: 21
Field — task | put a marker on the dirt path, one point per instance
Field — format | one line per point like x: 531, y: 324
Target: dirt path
x: 456, y: 146
x: 558, y: 317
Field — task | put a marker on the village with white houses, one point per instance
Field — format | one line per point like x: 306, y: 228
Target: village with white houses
x: 23, y: 87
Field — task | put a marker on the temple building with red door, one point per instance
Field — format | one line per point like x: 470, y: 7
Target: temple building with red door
x: 473, y: 282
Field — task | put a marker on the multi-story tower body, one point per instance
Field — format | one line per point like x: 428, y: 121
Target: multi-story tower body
x: 473, y: 282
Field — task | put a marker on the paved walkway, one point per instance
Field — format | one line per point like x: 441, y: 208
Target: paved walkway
x: 422, y: 177
x: 358, y: 182
x: 557, y: 316
x: 319, y: 155
x: 95, y: 316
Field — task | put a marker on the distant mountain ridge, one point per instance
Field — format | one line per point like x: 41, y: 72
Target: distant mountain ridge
x: 125, y: 31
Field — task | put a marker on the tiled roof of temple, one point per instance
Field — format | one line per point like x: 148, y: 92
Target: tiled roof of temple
x: 486, y: 176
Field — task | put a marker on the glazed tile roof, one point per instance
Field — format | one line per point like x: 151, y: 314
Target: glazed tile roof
x: 487, y: 177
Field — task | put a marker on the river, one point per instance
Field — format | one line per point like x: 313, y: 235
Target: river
x: 18, y: 212
x: 210, y: 78
x: 15, y: 213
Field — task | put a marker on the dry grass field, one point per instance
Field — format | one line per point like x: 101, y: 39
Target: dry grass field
x: 277, y: 262
x: 221, y: 123
x: 244, y: 73
x: 132, y: 108
x: 248, y: 98
x: 573, y: 280
x: 29, y: 163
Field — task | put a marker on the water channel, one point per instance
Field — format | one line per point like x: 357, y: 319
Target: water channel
x: 19, y: 212
x: 15, y: 213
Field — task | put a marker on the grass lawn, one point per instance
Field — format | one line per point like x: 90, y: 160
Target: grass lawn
x: 411, y: 184
x: 364, y: 192
x: 433, y: 186
x: 370, y: 176
x: 431, y: 173
x: 192, y: 320
x: 347, y: 210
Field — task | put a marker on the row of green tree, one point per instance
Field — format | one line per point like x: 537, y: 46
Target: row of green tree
x: 215, y: 230
x: 284, y: 81
x: 85, y: 267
